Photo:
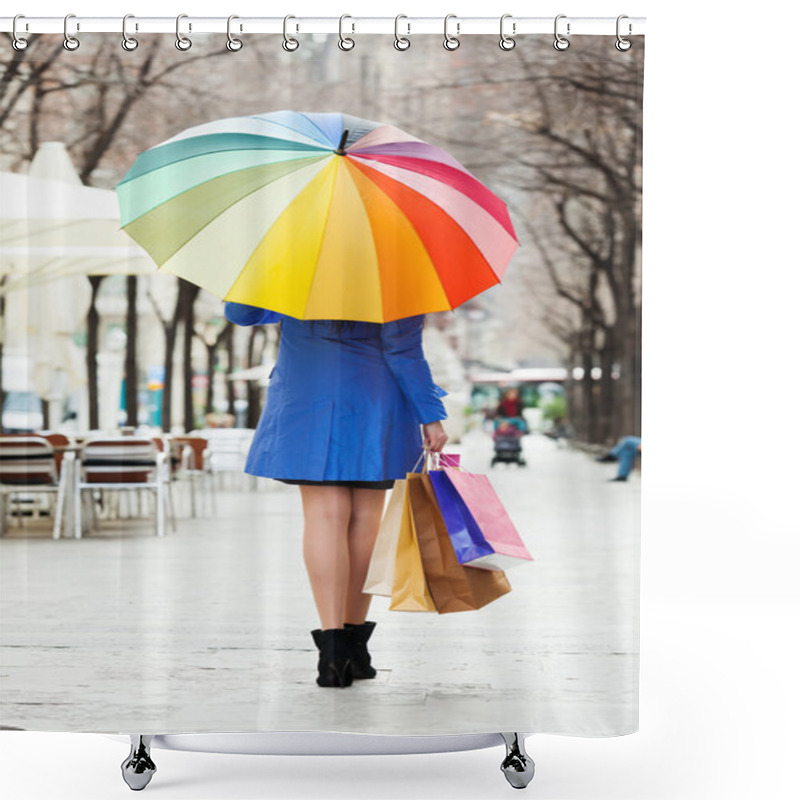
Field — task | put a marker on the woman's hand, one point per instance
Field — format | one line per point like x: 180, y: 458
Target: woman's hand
x: 434, y: 436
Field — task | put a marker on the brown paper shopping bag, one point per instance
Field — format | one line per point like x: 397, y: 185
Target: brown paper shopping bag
x: 380, y: 573
x: 409, y: 587
x: 453, y: 587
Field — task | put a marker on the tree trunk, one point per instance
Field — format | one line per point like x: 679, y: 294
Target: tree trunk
x: 628, y: 329
x: 629, y: 420
x: 211, y: 355
x: 92, y: 331
x: 587, y: 390
x: 170, y: 335
x: 131, y: 376
x: 608, y: 390
x: 2, y: 345
x: 253, y: 388
x: 228, y: 383
x: 187, y: 295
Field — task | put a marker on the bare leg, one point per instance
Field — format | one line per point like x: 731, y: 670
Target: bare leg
x: 365, y: 519
x: 326, y: 513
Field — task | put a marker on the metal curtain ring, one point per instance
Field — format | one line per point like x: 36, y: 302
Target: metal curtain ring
x: 70, y: 42
x: 18, y: 42
x: 622, y: 44
x: 401, y: 42
x: 345, y: 42
x: 233, y: 44
x: 182, y: 42
x: 290, y: 44
x: 507, y: 42
x: 451, y: 42
x: 128, y: 42
x: 560, y: 42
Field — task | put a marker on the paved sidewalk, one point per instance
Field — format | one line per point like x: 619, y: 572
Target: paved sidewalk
x: 207, y: 629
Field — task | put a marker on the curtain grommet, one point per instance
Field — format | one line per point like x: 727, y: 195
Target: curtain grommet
x: 289, y: 44
x: 507, y: 42
x: 182, y: 43
x: 450, y: 42
x: 233, y: 44
x: 129, y: 43
x: 346, y: 43
x: 560, y: 42
x: 401, y: 42
x: 623, y: 45
x: 71, y: 43
x: 19, y: 43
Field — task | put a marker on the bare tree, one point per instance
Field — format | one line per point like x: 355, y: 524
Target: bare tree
x: 92, y: 331
x: 224, y: 337
x: 86, y: 102
x: 578, y: 151
x: 186, y: 300
x: 131, y: 372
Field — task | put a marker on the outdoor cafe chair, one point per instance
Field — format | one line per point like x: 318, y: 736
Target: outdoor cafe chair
x: 28, y: 466
x: 228, y: 448
x: 61, y: 444
x: 123, y: 464
x: 164, y: 443
x: 196, y: 464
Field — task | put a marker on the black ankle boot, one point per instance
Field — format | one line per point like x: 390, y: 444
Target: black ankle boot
x: 362, y: 661
x: 335, y: 665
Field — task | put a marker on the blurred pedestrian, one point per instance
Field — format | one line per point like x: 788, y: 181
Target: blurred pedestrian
x: 510, y: 404
x: 627, y: 450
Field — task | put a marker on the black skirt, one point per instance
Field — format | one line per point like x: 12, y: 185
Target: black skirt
x: 348, y: 484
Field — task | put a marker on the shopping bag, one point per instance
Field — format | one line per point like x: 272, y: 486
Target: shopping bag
x: 484, y: 521
x: 380, y: 573
x: 453, y: 587
x: 468, y: 541
x: 409, y: 586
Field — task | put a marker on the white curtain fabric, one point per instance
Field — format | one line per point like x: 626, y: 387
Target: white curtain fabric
x: 207, y: 628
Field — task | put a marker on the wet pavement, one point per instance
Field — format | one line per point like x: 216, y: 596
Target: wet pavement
x: 207, y: 628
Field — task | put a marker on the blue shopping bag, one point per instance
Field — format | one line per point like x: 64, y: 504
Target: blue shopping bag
x: 465, y: 534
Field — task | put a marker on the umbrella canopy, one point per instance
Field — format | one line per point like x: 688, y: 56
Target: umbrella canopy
x: 317, y: 216
x: 52, y: 228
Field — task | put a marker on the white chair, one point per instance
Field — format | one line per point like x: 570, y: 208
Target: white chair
x: 123, y: 464
x: 228, y: 449
x: 28, y: 466
x: 194, y: 461
x: 164, y: 443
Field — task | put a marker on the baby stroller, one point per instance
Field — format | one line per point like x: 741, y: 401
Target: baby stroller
x: 508, y: 433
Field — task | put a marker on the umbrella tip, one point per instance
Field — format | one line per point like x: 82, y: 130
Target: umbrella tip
x: 340, y: 149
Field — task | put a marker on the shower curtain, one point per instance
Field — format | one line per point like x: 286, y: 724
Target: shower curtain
x: 205, y: 627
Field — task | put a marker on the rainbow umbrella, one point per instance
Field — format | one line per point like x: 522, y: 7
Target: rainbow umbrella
x: 317, y: 216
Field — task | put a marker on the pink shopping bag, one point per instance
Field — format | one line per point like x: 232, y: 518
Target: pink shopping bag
x: 488, y: 512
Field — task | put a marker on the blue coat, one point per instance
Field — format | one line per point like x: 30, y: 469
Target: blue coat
x: 342, y: 406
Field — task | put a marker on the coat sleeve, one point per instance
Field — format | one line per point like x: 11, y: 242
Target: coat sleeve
x: 402, y: 350
x: 241, y: 314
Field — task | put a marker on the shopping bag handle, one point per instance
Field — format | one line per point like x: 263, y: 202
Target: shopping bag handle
x: 432, y: 461
x: 422, y: 460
